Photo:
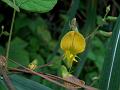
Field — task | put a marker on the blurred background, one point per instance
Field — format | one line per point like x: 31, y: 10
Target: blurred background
x: 36, y: 36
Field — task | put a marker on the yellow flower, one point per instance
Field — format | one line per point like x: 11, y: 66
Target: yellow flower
x: 33, y: 64
x: 72, y: 43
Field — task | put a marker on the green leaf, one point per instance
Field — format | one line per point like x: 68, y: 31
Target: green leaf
x: 97, y: 53
x: 11, y: 4
x: 5, y: 33
x: 87, y: 29
x: 21, y: 21
x: 56, y: 63
x: 36, y: 5
x: 38, y: 58
x: 51, y: 85
x: 22, y: 83
x: 20, y: 56
x: 2, y: 51
x: 2, y: 86
x: 18, y: 52
x: 100, y: 21
x: 18, y: 43
x: 111, y: 18
x: 110, y: 76
x: 43, y: 32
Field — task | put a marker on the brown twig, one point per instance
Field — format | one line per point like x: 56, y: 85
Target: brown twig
x: 3, y: 72
x: 55, y: 79
x: 48, y: 64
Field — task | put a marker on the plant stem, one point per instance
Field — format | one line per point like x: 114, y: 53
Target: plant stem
x: 96, y: 29
x: 7, y: 81
x: 10, y: 35
x: 3, y: 73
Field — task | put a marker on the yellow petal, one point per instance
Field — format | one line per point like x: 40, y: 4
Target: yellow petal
x: 78, y: 43
x: 74, y: 42
x: 69, y: 58
x: 66, y: 42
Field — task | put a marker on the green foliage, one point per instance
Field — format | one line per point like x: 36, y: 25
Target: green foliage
x: 110, y: 73
x: 37, y: 36
x: 70, y: 15
x: 100, y: 21
x: 32, y: 5
x: 2, y: 51
x: 2, y: 86
x: 36, y: 6
x: 97, y: 53
x: 11, y: 4
x: 88, y: 27
x: 18, y: 52
x: 22, y: 83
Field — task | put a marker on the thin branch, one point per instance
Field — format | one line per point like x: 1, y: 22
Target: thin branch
x: 10, y: 35
x: 3, y: 72
x: 55, y: 79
